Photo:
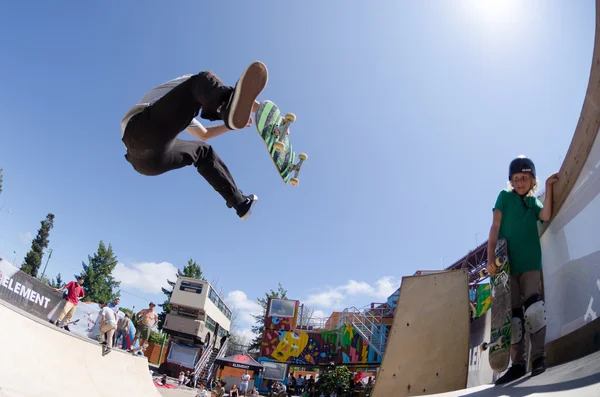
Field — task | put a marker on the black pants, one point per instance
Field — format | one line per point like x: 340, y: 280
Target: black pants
x: 151, y: 136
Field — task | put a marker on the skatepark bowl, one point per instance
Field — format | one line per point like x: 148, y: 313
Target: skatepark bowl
x: 432, y: 348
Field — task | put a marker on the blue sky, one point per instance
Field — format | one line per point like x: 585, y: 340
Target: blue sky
x: 409, y: 111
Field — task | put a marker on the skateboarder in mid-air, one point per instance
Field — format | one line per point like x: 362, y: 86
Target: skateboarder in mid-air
x: 516, y: 214
x: 150, y: 128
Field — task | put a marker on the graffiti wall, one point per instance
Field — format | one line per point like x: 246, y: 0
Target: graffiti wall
x: 479, y: 295
x: 283, y: 343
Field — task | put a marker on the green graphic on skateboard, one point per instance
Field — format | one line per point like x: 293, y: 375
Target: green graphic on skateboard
x: 275, y: 133
x: 500, y: 335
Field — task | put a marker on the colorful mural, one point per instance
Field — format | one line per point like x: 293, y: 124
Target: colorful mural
x: 479, y: 296
x: 283, y: 343
x: 343, y: 345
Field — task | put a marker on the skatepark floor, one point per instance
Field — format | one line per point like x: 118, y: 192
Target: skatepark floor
x: 35, y: 349
x: 580, y: 378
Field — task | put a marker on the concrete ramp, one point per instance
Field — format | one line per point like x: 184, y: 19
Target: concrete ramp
x: 578, y: 378
x: 428, y: 346
x: 38, y: 359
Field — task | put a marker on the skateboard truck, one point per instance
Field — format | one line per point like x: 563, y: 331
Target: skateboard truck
x: 283, y: 131
x: 296, y: 167
x: 500, y: 261
x: 484, y: 346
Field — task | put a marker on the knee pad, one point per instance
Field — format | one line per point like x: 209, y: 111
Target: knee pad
x: 535, y: 313
x: 516, y: 327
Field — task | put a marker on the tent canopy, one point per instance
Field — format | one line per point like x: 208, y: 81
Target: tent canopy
x: 242, y: 361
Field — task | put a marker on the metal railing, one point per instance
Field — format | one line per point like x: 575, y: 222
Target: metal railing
x: 368, y: 323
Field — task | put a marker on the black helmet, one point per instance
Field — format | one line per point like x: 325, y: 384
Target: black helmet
x: 521, y: 164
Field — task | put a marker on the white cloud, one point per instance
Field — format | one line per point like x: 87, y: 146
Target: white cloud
x: 320, y: 314
x: 342, y: 296
x: 246, y: 335
x: 26, y: 237
x: 245, y: 308
x: 145, y: 276
x: 331, y: 298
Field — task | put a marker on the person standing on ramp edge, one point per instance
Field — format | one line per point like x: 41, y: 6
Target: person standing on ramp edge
x: 516, y: 214
x: 150, y: 128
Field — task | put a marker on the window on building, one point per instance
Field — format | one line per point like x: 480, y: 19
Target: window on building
x: 212, y: 295
x: 191, y: 286
x: 210, y: 323
x: 282, y: 308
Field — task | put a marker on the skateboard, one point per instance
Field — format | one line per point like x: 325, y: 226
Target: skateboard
x: 275, y: 133
x: 66, y: 326
x: 139, y: 349
x: 105, y: 350
x: 500, y: 334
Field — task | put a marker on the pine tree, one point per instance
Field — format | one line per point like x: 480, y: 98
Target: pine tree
x: 58, y: 282
x: 192, y: 270
x: 259, y: 328
x: 33, y: 259
x: 98, y: 282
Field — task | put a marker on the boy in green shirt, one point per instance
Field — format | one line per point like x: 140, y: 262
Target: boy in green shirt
x: 516, y: 214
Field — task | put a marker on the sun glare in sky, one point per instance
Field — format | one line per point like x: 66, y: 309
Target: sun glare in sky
x: 494, y: 11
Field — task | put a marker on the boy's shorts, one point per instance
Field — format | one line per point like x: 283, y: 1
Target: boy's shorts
x: 243, y: 387
x: 142, y: 332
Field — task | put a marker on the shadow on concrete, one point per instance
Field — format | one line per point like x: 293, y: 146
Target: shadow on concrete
x: 516, y: 389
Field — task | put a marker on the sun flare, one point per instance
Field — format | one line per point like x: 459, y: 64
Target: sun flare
x: 494, y: 11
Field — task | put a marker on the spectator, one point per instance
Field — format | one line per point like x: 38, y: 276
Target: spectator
x: 114, y: 305
x: 300, y: 385
x: 223, y: 339
x: 202, y: 392
x: 123, y: 331
x: 221, y: 388
x: 74, y: 294
x: 234, y: 392
x: 244, y: 383
x: 145, y: 323
x: 108, y: 324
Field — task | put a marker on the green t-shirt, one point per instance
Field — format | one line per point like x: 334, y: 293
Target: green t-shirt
x: 519, y: 227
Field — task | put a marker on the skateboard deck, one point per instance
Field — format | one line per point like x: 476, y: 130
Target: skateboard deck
x: 500, y: 335
x: 66, y: 326
x: 105, y: 350
x: 275, y: 134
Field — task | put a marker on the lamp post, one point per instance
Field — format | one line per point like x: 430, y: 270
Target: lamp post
x: 14, y: 260
x: 48, y: 260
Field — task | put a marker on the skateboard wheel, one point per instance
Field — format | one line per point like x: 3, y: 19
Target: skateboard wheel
x: 290, y: 117
x: 278, y: 146
x: 294, y: 181
x: 302, y: 156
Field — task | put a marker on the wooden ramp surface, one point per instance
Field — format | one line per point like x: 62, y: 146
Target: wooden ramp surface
x: 428, y: 346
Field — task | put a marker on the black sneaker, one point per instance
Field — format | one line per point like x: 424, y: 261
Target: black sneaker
x: 515, y: 372
x: 237, y: 110
x: 538, y: 366
x: 245, y: 208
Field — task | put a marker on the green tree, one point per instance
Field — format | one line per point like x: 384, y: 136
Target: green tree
x: 98, y: 282
x: 259, y: 328
x: 192, y: 270
x: 334, y: 379
x: 33, y: 259
x: 57, y: 283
